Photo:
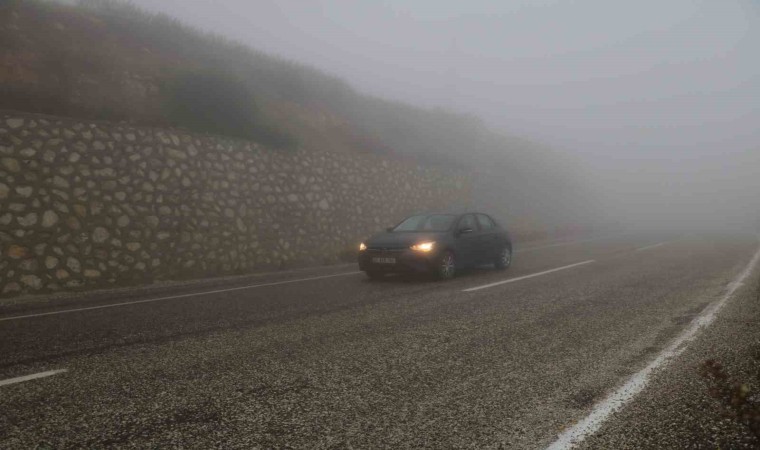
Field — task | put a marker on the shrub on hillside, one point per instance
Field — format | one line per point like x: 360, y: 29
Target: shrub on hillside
x: 217, y: 103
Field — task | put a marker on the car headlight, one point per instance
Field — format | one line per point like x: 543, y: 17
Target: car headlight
x: 362, y: 247
x: 423, y: 247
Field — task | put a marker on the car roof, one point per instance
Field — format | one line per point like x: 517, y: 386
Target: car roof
x: 449, y: 213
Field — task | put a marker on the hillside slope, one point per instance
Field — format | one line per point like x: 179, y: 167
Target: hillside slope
x: 108, y: 60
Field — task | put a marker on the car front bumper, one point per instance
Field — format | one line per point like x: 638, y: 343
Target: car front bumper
x: 404, y: 261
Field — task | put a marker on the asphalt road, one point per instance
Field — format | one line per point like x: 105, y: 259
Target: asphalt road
x: 326, y: 358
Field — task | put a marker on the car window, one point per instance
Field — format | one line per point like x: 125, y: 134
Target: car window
x: 410, y: 224
x: 437, y: 222
x: 433, y: 222
x: 485, y: 222
x: 468, y: 221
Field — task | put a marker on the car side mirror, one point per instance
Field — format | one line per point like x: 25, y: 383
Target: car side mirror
x: 464, y: 230
x: 389, y: 229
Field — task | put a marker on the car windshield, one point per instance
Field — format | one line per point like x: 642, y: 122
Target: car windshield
x: 432, y: 222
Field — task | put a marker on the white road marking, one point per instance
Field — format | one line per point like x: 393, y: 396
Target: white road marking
x: 624, y: 394
x: 35, y: 376
x: 512, y: 280
x: 641, y: 249
x: 28, y: 316
x: 172, y: 297
x: 287, y: 272
x: 562, y: 244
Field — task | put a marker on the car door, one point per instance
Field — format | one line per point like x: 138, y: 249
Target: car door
x: 490, y: 240
x: 467, y: 235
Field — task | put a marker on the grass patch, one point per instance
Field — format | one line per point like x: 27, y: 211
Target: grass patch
x: 218, y: 103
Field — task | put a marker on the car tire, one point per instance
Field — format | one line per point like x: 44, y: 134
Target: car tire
x: 504, y: 260
x: 445, y: 267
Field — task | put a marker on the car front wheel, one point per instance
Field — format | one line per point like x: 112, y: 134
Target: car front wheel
x: 504, y: 260
x: 446, y: 266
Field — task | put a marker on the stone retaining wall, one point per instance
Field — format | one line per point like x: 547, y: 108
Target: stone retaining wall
x: 86, y: 205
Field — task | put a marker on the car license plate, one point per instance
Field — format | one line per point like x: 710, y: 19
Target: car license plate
x: 384, y: 260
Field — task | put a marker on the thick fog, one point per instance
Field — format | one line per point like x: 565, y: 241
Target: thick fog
x: 660, y: 101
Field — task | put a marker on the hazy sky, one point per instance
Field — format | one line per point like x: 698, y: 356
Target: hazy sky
x: 658, y: 97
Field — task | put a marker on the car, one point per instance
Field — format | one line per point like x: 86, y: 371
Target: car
x: 436, y: 243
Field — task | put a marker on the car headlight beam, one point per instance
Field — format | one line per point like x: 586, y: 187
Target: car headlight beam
x: 423, y: 247
x: 362, y: 247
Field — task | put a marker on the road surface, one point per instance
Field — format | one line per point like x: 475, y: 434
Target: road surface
x: 324, y: 357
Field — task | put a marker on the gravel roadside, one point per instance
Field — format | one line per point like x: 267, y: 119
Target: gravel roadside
x: 708, y: 397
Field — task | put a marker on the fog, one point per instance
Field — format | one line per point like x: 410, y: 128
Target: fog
x: 657, y: 101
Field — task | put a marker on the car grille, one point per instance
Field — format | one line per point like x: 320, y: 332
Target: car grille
x: 386, y: 249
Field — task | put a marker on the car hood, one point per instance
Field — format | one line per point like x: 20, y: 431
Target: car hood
x: 402, y: 239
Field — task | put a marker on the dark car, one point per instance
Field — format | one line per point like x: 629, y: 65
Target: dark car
x: 437, y: 243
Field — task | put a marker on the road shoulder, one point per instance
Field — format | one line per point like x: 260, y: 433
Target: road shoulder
x: 707, y: 397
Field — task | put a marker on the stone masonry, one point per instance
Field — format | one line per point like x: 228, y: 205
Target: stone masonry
x: 86, y: 205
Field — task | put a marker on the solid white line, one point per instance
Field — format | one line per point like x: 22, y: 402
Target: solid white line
x: 282, y: 272
x: 512, y: 280
x: 562, y: 244
x: 193, y: 294
x: 35, y: 376
x: 602, y: 410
